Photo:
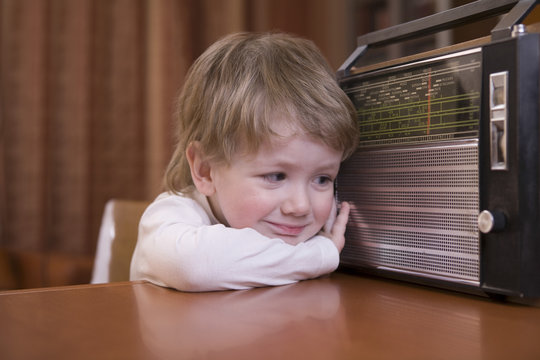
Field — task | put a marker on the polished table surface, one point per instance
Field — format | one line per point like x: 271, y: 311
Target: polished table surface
x: 340, y: 316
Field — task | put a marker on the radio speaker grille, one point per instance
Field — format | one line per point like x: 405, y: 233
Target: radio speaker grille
x: 414, y: 210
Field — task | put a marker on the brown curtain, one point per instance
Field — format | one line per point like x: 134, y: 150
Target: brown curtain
x: 87, y: 92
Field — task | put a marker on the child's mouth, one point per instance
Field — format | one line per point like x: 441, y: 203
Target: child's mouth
x: 286, y: 230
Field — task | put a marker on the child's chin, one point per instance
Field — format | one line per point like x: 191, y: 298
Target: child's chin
x: 295, y: 240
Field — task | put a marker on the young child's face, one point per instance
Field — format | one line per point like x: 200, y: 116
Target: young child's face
x: 285, y: 190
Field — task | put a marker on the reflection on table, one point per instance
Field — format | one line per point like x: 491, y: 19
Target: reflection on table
x: 341, y: 316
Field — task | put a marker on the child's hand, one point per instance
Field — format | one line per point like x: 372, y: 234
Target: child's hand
x: 335, y: 227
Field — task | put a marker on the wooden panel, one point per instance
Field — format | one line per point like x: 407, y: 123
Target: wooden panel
x: 35, y: 269
x: 8, y: 277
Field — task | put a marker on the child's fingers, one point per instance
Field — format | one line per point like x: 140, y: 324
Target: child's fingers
x: 341, y: 219
x: 338, y: 230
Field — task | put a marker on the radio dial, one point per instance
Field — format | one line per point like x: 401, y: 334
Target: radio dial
x: 491, y: 221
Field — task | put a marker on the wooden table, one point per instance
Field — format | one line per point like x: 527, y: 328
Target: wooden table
x: 337, y: 317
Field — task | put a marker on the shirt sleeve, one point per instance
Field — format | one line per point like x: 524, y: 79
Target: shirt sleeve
x: 179, y: 247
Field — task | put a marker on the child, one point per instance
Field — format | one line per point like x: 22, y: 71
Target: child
x: 262, y: 130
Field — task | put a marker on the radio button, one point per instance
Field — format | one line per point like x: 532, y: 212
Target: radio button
x: 498, y: 114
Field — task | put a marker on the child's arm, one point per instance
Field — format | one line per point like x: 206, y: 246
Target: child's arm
x: 178, y: 247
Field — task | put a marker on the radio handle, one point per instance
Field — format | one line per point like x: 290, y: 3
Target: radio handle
x: 504, y: 28
x: 442, y: 21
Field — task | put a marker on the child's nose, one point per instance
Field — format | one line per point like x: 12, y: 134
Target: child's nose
x: 297, y: 202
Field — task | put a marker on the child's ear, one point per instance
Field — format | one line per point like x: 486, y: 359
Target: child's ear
x: 200, y: 169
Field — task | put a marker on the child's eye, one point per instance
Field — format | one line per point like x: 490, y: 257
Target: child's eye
x: 323, y: 180
x: 274, y: 177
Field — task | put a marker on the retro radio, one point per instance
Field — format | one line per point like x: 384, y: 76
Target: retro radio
x: 444, y: 185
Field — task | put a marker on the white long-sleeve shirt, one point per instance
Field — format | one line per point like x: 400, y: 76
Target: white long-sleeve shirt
x: 182, y: 245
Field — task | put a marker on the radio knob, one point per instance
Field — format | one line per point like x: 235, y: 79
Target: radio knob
x: 491, y: 221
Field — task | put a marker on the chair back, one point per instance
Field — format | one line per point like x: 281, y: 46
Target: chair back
x: 117, y: 240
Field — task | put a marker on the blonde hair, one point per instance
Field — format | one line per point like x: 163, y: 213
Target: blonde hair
x: 234, y: 90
